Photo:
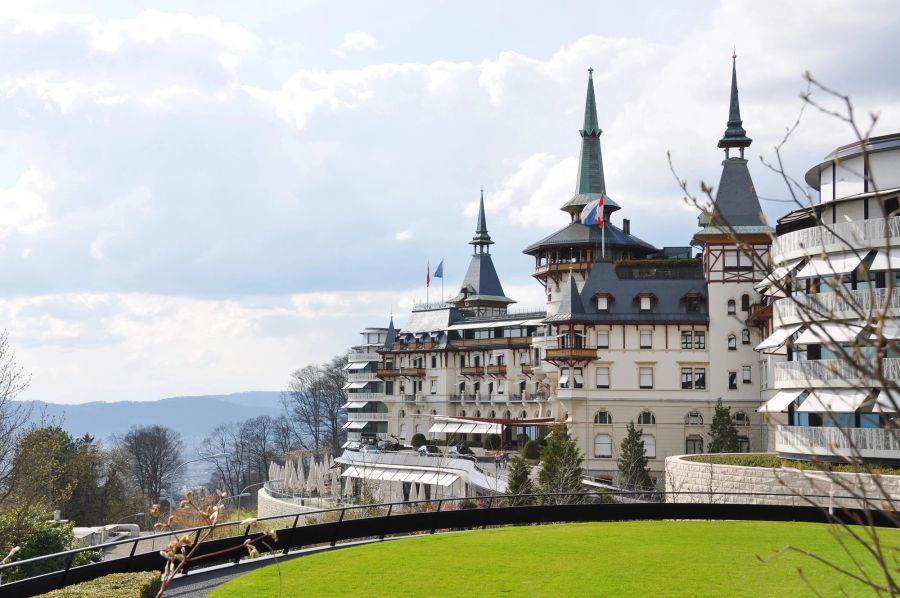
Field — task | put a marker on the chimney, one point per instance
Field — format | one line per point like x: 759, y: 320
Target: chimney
x: 626, y: 226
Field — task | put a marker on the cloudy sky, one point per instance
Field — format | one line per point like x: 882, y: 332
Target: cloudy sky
x: 201, y: 197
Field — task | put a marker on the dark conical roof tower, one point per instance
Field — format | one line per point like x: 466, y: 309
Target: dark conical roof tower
x: 736, y: 210
x: 591, y: 180
x: 481, y: 286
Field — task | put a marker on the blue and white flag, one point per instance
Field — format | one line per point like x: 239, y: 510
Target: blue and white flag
x: 439, y: 271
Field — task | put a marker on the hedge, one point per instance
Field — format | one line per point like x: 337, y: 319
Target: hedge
x: 117, y: 585
x: 768, y: 460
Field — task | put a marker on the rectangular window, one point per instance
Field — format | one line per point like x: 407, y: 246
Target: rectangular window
x: 687, y: 339
x: 388, y: 388
x: 745, y: 371
x: 579, y: 381
x: 603, y: 339
x: 434, y: 387
x: 646, y: 339
x: 645, y: 303
x: 482, y: 334
x: 602, y: 303
x: 700, y: 378
x: 646, y: 377
x: 699, y: 339
x: 564, y: 377
x: 732, y: 380
x: 501, y: 359
x: 501, y: 387
x: 603, y: 446
x: 602, y: 377
x: 687, y: 378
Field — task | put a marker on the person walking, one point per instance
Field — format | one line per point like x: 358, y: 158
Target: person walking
x: 497, y: 460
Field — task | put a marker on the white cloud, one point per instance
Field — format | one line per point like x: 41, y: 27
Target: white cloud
x: 356, y: 41
x: 23, y: 210
x: 403, y: 235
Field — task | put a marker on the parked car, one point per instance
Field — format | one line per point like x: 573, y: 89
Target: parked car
x: 370, y: 448
x: 429, y: 450
x: 461, y: 452
x: 386, y: 446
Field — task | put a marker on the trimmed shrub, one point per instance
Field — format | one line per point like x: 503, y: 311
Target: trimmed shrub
x: 532, y: 450
x: 490, y: 442
x: 144, y: 584
x: 418, y: 440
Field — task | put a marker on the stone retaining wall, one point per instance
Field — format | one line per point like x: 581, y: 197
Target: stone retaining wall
x: 269, y: 506
x: 705, y: 482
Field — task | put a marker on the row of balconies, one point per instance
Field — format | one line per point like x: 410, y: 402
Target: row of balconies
x: 475, y: 370
x: 366, y: 417
x: 354, y: 356
x: 823, y: 373
x: 834, y: 237
x: 847, y: 443
x: 474, y: 398
x: 363, y: 377
x: 846, y: 304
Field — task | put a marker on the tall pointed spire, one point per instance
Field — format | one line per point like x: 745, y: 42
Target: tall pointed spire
x: 591, y: 180
x: 481, y: 240
x: 735, y: 135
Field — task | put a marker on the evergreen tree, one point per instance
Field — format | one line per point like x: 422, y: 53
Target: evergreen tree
x: 633, y: 471
x: 519, y: 482
x: 560, y: 470
x: 723, y: 436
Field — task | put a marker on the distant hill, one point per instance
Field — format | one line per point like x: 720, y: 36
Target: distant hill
x: 193, y: 417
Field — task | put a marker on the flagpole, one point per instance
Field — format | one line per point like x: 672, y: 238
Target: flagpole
x: 427, y: 280
x: 603, y: 241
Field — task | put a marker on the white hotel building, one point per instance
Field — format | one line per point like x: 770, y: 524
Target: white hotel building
x: 643, y: 334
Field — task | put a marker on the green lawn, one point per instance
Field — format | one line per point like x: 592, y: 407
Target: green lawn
x: 658, y: 558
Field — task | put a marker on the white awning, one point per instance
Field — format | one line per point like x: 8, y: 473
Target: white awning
x: 473, y: 325
x: 829, y: 332
x: 776, y: 276
x: 845, y: 400
x: 532, y: 323
x: 578, y: 378
x: 354, y: 404
x: 470, y: 428
x: 891, y: 330
x: 888, y: 401
x: 439, y: 478
x: 354, y: 426
x: 780, y: 401
x: 356, y: 365
x: 354, y: 385
x: 563, y: 380
x: 838, y: 263
x: 778, y: 338
x: 886, y: 260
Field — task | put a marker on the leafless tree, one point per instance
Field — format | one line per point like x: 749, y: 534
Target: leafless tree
x: 13, y: 415
x: 155, y: 454
x: 230, y: 475
x: 313, y: 403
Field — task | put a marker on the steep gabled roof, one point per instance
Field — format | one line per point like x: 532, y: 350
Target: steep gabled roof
x: 576, y: 233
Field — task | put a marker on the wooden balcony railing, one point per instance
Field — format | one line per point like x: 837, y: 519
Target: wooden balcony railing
x: 496, y: 370
x: 571, y: 354
x: 473, y: 370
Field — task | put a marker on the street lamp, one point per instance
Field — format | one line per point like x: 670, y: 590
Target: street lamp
x: 138, y: 514
x: 247, y: 488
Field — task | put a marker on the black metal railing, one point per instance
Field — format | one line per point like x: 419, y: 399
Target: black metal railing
x: 376, y: 521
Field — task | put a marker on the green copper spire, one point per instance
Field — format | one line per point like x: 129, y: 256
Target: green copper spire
x: 481, y: 240
x: 590, y: 167
x: 735, y: 135
x: 591, y: 182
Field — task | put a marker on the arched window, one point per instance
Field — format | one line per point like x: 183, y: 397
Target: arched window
x: 646, y: 418
x: 403, y: 431
x: 603, y: 446
x: 740, y: 418
x: 549, y: 413
x: 693, y: 444
x: 694, y: 418
x: 478, y: 413
x: 462, y: 413
x: 745, y: 302
x: 433, y: 412
x: 731, y: 309
x: 602, y: 417
x: 492, y: 415
x: 743, y: 444
x: 523, y: 415
x: 745, y: 337
x: 537, y: 414
x: 418, y: 412
x: 732, y: 342
x: 418, y: 428
x: 508, y: 414
x: 649, y: 446
x: 402, y: 413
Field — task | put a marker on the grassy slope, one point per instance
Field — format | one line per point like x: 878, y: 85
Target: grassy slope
x: 611, y: 559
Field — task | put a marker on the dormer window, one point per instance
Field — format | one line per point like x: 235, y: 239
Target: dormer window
x: 646, y: 303
x: 602, y: 303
